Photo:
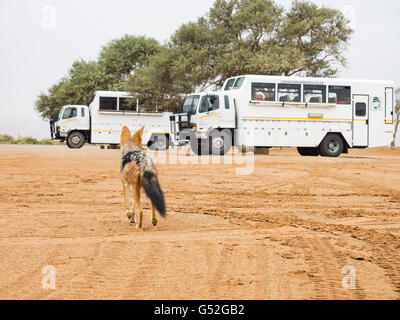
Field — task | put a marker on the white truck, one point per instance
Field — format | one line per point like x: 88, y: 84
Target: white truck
x: 101, y: 122
x: 319, y: 116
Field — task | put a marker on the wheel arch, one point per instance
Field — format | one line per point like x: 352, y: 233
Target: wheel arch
x: 85, y: 133
x: 155, y: 135
x: 231, y: 130
x: 346, y: 143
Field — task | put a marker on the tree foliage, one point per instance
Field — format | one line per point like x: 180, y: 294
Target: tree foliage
x: 116, y: 62
x: 245, y: 37
x: 122, y: 56
x: 234, y: 37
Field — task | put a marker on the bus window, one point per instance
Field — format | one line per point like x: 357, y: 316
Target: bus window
x: 127, y: 104
x: 108, y: 103
x: 314, y: 94
x: 263, y: 91
x: 361, y: 109
x: 82, y: 112
x: 229, y: 84
x: 209, y: 103
x: 289, y: 92
x: 70, y: 112
x: 226, y: 102
x: 238, y: 83
x: 340, y: 94
x: 190, y: 104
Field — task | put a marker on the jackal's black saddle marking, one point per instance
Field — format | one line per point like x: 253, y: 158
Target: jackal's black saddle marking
x: 136, y: 156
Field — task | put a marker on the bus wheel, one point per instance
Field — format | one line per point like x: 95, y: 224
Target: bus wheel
x: 311, y: 152
x: 220, y: 142
x: 332, y: 145
x: 76, y: 140
x: 199, y: 146
x: 160, y: 142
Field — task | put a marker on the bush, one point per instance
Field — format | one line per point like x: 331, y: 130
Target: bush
x: 49, y: 142
x: 26, y: 140
x: 6, y: 139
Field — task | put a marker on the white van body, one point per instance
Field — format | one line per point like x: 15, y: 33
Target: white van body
x: 273, y: 122
x: 278, y: 111
x: 103, y: 120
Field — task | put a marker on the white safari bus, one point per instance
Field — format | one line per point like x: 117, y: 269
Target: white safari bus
x: 103, y: 120
x: 319, y: 116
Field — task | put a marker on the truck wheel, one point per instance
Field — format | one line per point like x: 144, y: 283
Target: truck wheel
x: 311, y: 152
x: 76, y: 140
x: 199, y: 146
x: 332, y: 145
x: 187, y: 134
x: 220, y: 142
x: 160, y: 142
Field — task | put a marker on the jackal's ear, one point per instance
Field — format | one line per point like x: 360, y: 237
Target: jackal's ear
x: 125, y: 135
x: 137, y: 137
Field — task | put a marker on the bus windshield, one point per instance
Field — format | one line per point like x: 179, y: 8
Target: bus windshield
x: 190, y: 104
x: 229, y: 84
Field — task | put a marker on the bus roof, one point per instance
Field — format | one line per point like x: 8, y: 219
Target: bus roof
x: 315, y: 79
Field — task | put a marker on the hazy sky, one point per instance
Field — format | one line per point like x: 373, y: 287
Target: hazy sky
x: 39, y: 40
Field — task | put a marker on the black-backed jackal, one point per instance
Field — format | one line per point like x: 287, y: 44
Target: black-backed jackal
x: 137, y: 171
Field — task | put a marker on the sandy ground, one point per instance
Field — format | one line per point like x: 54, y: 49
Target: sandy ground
x: 286, y: 231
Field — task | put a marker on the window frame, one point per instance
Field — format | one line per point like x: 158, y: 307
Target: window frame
x: 337, y: 100
x: 242, y: 79
x: 271, y: 85
x: 127, y: 110
x: 300, y: 87
x: 324, y: 92
x: 231, y: 86
x: 109, y: 110
x: 365, y: 109
x: 205, y: 97
x: 227, y: 104
x: 69, y: 117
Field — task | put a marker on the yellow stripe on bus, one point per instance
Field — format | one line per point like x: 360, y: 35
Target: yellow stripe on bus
x: 210, y: 115
x: 69, y: 121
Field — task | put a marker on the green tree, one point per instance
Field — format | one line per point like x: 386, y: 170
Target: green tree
x: 122, y: 56
x: 247, y: 37
x: 397, y: 115
x: 78, y: 87
x: 116, y: 62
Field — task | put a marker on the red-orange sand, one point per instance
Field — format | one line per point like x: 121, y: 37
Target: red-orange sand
x: 286, y: 231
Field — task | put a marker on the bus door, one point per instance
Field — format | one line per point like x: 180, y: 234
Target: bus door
x: 209, y: 113
x: 360, y: 120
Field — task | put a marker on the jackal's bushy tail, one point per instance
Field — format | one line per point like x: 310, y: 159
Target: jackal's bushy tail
x: 153, y: 190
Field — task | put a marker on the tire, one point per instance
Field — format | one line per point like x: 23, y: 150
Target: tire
x: 220, y: 142
x: 76, y: 140
x: 160, y: 142
x: 200, y: 147
x: 308, y: 152
x: 332, y: 145
x: 187, y: 134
